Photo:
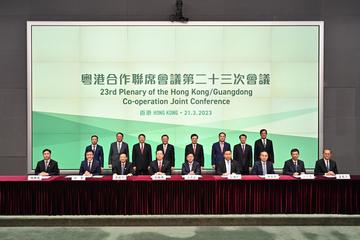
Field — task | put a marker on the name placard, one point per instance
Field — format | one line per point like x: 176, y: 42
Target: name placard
x: 272, y: 176
x: 234, y: 176
x: 191, y: 177
x: 307, y: 176
x: 78, y: 178
x: 34, y: 178
x: 342, y: 176
x: 119, y: 177
x: 158, y: 177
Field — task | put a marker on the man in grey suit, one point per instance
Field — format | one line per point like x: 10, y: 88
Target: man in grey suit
x: 116, y: 148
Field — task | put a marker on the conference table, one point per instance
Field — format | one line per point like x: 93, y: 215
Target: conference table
x: 209, y: 194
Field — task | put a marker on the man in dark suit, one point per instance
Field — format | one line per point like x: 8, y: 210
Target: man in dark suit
x: 116, y: 148
x: 141, y: 156
x: 263, y: 166
x: 326, y: 166
x: 123, y: 166
x: 294, y: 166
x: 47, y: 166
x: 263, y: 144
x: 160, y: 166
x: 243, y: 154
x: 191, y: 167
x: 218, y: 149
x: 227, y: 166
x: 97, y: 149
x: 89, y: 166
x: 168, y: 150
x: 195, y: 148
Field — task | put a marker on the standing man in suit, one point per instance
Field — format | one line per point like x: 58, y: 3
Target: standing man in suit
x: 243, y: 154
x: 263, y: 166
x: 227, y: 166
x: 168, y: 150
x: 160, y: 166
x: 123, y: 166
x: 218, y: 149
x: 191, y: 167
x: 263, y: 144
x: 116, y: 148
x: 195, y: 148
x: 98, y: 151
x: 141, y: 156
x: 294, y: 166
x: 89, y: 167
x: 47, y: 166
x: 326, y: 166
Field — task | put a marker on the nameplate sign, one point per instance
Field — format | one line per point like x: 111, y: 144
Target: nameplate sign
x: 158, y: 177
x: 191, y: 177
x: 34, y: 178
x: 307, y: 176
x: 78, y: 178
x: 234, y: 176
x: 342, y: 176
x: 119, y: 177
x: 272, y: 176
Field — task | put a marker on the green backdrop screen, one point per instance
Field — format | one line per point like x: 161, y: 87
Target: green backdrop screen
x: 175, y: 79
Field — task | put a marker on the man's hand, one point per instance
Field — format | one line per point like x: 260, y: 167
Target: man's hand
x: 110, y: 166
x: 87, y: 173
x: 43, y: 174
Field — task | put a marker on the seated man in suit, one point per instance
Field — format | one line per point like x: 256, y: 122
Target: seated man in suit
x: 47, y: 166
x: 228, y: 166
x: 89, y: 166
x: 263, y: 144
x: 160, y: 166
x: 97, y: 149
x: 326, y: 166
x: 168, y: 149
x: 263, y: 166
x: 191, y: 167
x: 294, y: 166
x: 195, y: 148
x: 123, y: 167
x: 243, y: 154
x: 218, y: 149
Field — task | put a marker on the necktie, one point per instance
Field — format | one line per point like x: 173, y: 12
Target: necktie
x: 296, y: 166
x: 118, y: 146
x: 89, y: 165
x: 159, y: 166
x: 142, y: 148
x: 194, y: 147
x: 190, y: 166
x: 264, y: 143
x: 327, y: 165
x: 46, y: 165
x: 122, y: 169
x: 222, y: 147
x: 228, y: 170
x: 264, y: 169
x: 243, y: 148
x: 164, y: 147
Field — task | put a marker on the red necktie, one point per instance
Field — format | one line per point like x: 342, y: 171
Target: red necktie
x: 194, y: 146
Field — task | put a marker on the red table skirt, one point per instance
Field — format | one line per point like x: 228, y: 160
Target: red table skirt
x: 208, y: 195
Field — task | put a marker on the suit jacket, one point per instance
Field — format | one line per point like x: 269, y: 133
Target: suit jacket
x: 221, y: 167
x: 196, y: 168
x: 116, y: 168
x: 141, y: 160
x: 320, y: 168
x: 290, y: 168
x: 169, y: 155
x: 98, y: 155
x: 95, y: 167
x: 244, y: 158
x: 165, y: 167
x: 52, y: 168
x: 198, y: 156
x: 257, y: 169
x: 216, y: 154
x: 258, y: 147
x: 114, y: 154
